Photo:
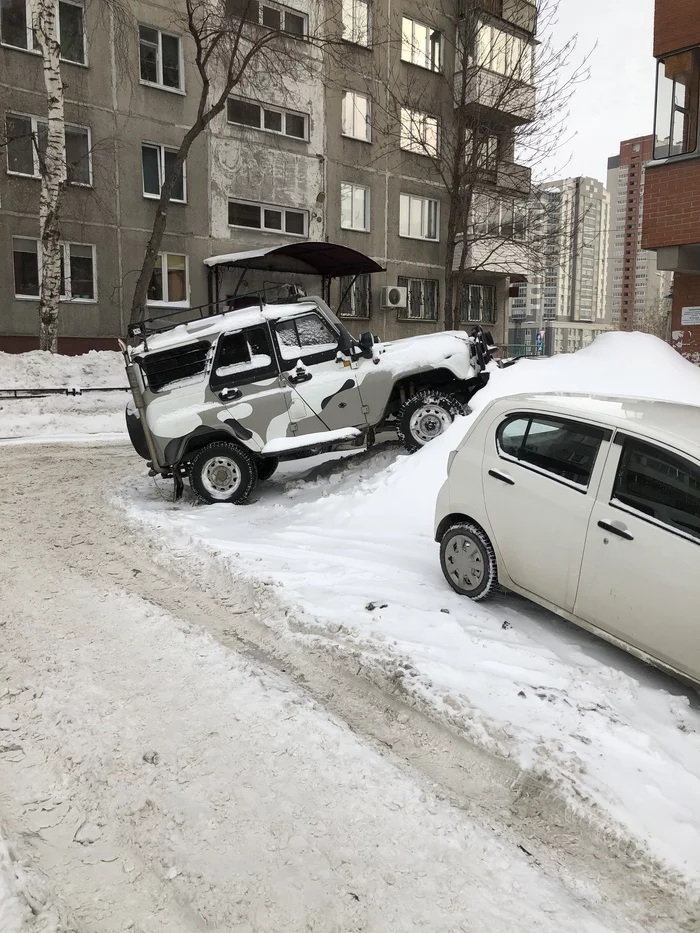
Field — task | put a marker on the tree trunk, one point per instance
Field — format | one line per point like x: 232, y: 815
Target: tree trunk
x: 160, y: 222
x: 53, y: 172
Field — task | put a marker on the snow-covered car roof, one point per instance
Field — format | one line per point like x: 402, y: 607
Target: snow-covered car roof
x: 234, y: 320
x: 673, y: 422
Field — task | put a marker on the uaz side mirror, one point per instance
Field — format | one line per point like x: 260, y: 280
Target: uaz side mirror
x: 366, y: 342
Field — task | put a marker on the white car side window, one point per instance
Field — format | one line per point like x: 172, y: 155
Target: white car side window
x: 567, y: 449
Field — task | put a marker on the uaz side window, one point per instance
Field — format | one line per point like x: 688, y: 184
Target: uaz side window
x: 564, y: 448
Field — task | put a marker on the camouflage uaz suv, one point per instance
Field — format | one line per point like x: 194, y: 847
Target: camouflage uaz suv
x: 223, y: 399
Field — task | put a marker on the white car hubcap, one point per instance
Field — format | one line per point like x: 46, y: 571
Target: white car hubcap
x: 221, y: 477
x: 428, y: 422
x: 464, y: 562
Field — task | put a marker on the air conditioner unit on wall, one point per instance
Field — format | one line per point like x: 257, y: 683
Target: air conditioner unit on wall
x: 393, y: 296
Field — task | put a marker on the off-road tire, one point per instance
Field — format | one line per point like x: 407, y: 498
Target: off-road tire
x: 229, y: 454
x: 441, y: 401
x: 468, y: 532
x: 266, y: 467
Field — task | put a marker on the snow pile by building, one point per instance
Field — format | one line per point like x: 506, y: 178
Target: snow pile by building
x: 349, y: 545
x: 60, y: 417
x: 11, y: 911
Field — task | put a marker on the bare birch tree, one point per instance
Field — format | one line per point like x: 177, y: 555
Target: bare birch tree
x: 52, y: 162
x: 232, y: 47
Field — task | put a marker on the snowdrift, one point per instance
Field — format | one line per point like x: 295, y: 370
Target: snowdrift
x: 41, y: 370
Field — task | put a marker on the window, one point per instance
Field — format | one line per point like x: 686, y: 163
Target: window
x: 273, y: 16
x: 169, y: 283
x: 264, y: 217
x: 504, y: 218
x: 418, y: 217
x: 305, y: 336
x: 565, y: 448
x: 355, y: 296
x: 421, y: 45
x: 354, y: 207
x: 481, y: 152
x: 272, y: 119
x: 78, y: 279
x: 504, y: 53
x: 156, y: 162
x: 356, y: 115
x: 355, y: 19
x: 26, y: 148
x: 16, y: 28
x: 419, y: 132
x: 659, y: 484
x: 422, y: 299
x: 184, y: 362
x: 677, y: 89
x: 242, y: 358
x: 478, y: 303
x: 160, y: 58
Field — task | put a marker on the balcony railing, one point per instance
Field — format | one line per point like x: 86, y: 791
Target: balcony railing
x: 514, y: 177
x: 520, y: 13
x: 488, y: 91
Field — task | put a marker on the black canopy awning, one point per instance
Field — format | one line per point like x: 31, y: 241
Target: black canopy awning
x: 330, y: 260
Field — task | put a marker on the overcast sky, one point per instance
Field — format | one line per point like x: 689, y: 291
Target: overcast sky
x: 617, y: 102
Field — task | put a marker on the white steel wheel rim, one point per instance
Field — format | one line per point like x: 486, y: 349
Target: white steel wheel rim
x: 221, y: 477
x: 429, y: 422
x: 465, y: 562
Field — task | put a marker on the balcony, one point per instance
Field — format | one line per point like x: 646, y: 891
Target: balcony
x: 519, y: 13
x: 514, y: 178
x: 487, y: 93
x: 496, y: 256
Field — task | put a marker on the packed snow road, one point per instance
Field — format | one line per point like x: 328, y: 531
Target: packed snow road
x: 168, y: 762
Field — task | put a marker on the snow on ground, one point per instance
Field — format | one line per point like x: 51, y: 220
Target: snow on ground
x: 349, y: 545
x: 58, y: 416
x: 11, y: 912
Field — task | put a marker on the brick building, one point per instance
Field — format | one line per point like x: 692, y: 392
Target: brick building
x: 671, y: 223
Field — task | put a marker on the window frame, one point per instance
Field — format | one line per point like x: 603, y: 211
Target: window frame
x: 564, y: 421
x: 270, y: 207
x: 367, y: 220
x: 347, y: 296
x: 283, y: 9
x: 368, y: 119
x: 164, y: 302
x: 502, y: 46
x: 271, y: 108
x: 492, y: 290
x: 159, y: 61
x: 621, y: 439
x: 435, y: 68
x: 425, y: 200
x: 418, y: 144
x: 404, y: 281
x: 31, y: 48
x: 353, y: 41
x: 35, y: 121
x: 694, y: 118
x: 67, y: 296
x: 244, y: 377
x: 162, y: 149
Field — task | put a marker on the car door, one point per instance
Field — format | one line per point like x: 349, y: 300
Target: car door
x: 540, y: 472
x: 245, y: 379
x: 325, y: 393
x: 640, y: 579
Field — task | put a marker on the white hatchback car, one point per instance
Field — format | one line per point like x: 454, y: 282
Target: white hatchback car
x: 589, y: 506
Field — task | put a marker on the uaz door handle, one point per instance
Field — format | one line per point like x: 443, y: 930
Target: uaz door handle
x: 227, y: 395
x: 621, y: 532
x: 504, y: 478
x: 297, y: 377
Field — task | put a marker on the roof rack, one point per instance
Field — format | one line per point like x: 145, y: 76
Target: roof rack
x: 159, y: 323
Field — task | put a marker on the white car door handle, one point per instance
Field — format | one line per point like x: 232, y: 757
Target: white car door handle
x: 616, y: 528
x: 504, y: 478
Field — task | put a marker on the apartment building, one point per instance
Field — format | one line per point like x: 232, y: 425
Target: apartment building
x: 313, y: 156
x: 671, y: 223
x: 562, y: 307
x: 636, y: 290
